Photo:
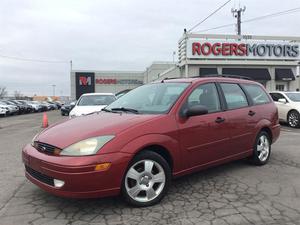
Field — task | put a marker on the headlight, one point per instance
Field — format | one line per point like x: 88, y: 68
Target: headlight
x: 33, y: 139
x: 87, y: 147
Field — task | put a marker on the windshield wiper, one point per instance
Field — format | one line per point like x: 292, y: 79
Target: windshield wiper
x: 107, y: 110
x: 126, y: 110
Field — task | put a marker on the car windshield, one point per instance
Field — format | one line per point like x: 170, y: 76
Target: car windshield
x: 154, y: 98
x: 295, y: 97
x: 90, y: 100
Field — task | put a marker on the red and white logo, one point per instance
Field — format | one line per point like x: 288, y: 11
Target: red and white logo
x: 85, y: 81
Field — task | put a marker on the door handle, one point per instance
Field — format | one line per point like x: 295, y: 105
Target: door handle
x: 219, y: 120
x: 251, y: 113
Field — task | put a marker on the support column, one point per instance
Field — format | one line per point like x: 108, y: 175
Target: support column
x: 271, y: 85
x: 186, y: 70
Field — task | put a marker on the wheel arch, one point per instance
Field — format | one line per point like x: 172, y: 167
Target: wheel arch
x: 163, y: 145
x: 268, y: 131
x: 160, y: 150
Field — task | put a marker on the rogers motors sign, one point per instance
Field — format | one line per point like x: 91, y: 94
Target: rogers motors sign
x: 200, y: 49
x: 118, y: 81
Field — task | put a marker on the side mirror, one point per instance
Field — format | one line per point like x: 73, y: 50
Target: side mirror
x: 195, y: 110
x: 282, y: 100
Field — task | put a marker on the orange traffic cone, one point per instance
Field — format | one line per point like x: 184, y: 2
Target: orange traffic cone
x: 45, y: 120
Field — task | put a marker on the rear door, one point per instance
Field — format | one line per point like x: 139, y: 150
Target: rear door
x: 237, y: 113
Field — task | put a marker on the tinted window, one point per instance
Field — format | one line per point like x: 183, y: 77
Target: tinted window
x: 234, y: 96
x: 206, y: 95
x: 276, y: 96
x: 256, y: 93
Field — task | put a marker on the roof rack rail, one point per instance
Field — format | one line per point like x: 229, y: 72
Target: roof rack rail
x: 171, y: 78
x: 210, y: 75
x: 228, y: 76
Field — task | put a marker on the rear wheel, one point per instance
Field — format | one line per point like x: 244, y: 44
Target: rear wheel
x: 146, y: 180
x: 294, y: 119
x: 261, y: 149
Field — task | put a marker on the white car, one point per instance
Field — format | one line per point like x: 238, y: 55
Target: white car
x: 92, y: 102
x: 3, y: 111
x: 288, y: 104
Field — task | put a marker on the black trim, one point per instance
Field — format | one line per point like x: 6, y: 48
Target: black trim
x: 207, y: 71
x: 284, y: 74
x: 249, y: 99
x: 253, y: 73
x: 39, y: 176
x: 221, y: 97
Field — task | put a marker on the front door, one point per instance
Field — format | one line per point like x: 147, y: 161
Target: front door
x: 204, y: 138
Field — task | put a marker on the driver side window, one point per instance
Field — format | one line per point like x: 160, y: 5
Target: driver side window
x: 206, y: 95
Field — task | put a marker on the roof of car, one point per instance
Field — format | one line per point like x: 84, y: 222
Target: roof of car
x: 208, y: 78
x: 86, y: 94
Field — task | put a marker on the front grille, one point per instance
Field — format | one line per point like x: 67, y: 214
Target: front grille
x: 39, y: 176
x: 46, y: 148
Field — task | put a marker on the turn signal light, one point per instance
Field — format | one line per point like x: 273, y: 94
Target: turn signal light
x: 102, y: 166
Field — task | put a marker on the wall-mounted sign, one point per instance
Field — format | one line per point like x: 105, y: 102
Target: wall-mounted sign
x: 247, y: 49
x: 118, y: 81
x: 85, y: 83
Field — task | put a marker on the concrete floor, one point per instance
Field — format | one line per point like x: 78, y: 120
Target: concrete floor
x: 235, y: 193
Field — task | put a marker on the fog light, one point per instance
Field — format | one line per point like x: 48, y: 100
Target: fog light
x: 102, y: 166
x: 58, y: 183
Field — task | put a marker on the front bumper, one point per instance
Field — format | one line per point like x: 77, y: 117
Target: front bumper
x: 78, y: 173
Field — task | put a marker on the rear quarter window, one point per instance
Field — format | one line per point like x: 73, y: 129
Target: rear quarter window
x: 256, y: 93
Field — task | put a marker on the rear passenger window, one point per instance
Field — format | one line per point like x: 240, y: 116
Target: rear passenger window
x: 234, y: 96
x: 256, y: 93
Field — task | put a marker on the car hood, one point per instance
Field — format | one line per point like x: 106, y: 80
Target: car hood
x: 83, y: 110
x: 70, y: 131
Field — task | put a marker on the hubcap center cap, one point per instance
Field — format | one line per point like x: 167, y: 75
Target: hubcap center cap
x: 145, y: 180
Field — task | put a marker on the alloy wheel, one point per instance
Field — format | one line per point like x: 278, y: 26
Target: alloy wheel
x: 145, y: 180
x: 263, y: 148
x: 293, y: 119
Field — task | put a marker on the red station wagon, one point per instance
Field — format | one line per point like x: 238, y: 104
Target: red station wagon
x: 158, y: 131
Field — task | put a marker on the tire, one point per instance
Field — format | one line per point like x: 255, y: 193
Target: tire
x: 261, y: 149
x: 293, y: 119
x: 139, y: 187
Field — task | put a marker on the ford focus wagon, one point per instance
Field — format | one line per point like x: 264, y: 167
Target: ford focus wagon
x: 156, y: 132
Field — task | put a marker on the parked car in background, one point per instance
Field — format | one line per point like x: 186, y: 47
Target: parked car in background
x: 92, y: 102
x: 28, y: 108
x: 36, y: 106
x: 288, y: 104
x: 53, y: 105
x: 22, y: 108
x: 155, y: 132
x: 3, y: 111
x: 12, y: 109
x: 58, y: 104
x: 66, y: 108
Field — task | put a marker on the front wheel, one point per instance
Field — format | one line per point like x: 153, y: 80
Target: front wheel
x: 146, y: 180
x: 294, y: 119
x: 261, y: 149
